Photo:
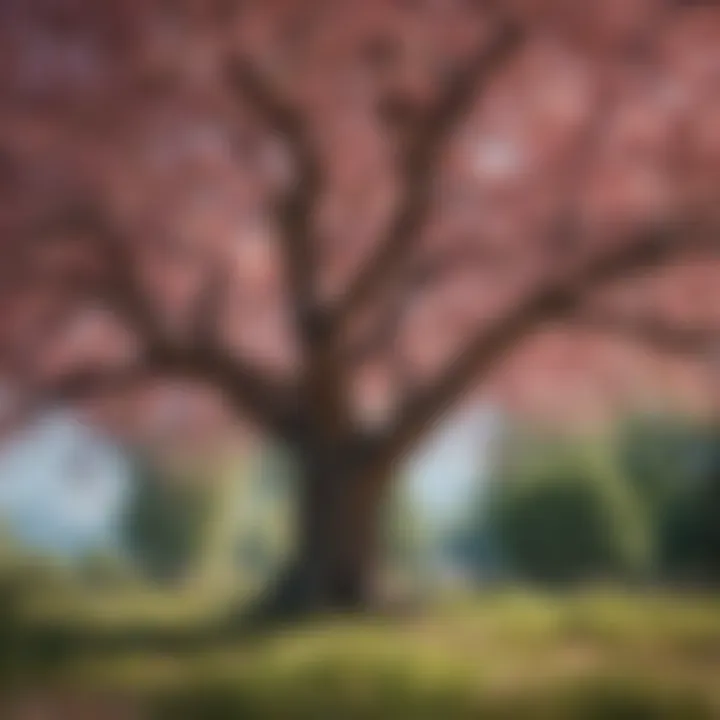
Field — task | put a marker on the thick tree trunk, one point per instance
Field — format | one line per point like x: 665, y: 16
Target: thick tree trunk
x: 333, y: 568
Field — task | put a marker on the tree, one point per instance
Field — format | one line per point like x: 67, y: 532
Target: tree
x: 341, y: 217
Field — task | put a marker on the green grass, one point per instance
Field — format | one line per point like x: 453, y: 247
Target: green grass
x: 505, y: 655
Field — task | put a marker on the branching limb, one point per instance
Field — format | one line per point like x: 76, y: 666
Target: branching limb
x: 655, y: 332
x: 122, y: 290
x: 72, y: 387
x: 421, y: 277
x: 323, y: 389
x: 298, y: 204
x: 206, y: 326
x: 267, y: 401
x: 552, y: 298
x: 421, y: 161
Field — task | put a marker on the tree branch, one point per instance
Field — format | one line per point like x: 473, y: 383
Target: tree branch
x: 75, y: 386
x: 122, y: 289
x: 268, y: 402
x: 323, y: 387
x: 551, y: 298
x: 298, y: 204
x: 652, y: 331
x: 421, y: 161
x: 322, y: 390
x: 206, y: 323
x: 422, y: 276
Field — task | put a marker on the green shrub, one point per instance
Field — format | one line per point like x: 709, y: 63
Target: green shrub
x: 674, y: 465
x: 563, y: 513
x: 166, y: 522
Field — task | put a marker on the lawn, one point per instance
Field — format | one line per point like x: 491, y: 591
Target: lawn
x: 504, y: 655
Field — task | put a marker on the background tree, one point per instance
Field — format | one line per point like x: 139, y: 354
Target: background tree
x: 564, y: 513
x: 167, y: 522
x: 342, y: 217
x: 673, y: 465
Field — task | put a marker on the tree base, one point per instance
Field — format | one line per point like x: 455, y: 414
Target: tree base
x: 296, y: 596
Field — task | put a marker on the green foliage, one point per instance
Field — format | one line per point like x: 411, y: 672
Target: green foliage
x: 166, y: 523
x: 508, y: 655
x: 661, y: 453
x: 266, y: 523
x: 24, y: 577
x: 407, y: 534
x: 106, y: 570
x: 675, y: 466
x: 562, y: 512
x: 377, y: 696
x: 642, y: 503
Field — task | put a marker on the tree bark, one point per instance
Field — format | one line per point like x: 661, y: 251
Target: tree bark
x: 335, y: 560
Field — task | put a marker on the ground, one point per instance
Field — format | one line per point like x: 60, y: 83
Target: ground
x: 506, y: 654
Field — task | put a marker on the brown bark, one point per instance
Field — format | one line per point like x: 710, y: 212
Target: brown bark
x: 334, y: 565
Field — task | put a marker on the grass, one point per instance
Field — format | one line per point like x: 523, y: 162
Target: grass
x: 506, y: 655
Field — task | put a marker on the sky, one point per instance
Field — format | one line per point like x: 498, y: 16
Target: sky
x: 62, y: 487
x: 444, y: 473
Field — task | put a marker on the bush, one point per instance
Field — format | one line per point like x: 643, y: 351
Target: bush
x: 675, y: 467
x: 166, y: 522
x: 563, y: 513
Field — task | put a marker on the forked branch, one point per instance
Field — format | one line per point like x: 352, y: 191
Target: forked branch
x: 267, y: 401
x: 553, y: 298
x: 421, y: 161
x: 297, y: 206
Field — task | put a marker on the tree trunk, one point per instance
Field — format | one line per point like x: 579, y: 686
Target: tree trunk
x: 334, y: 565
